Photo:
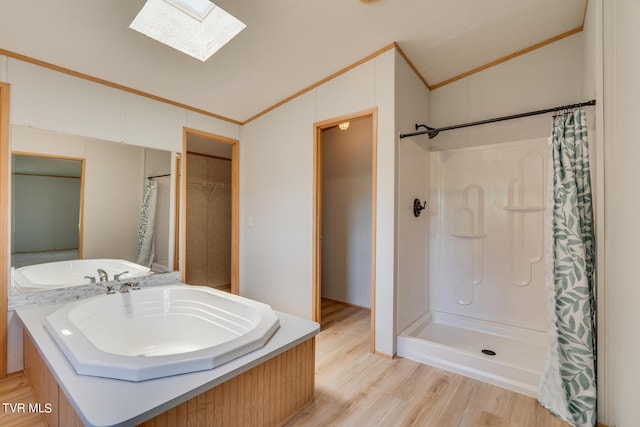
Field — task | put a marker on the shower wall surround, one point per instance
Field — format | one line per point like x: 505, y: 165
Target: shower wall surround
x: 486, y: 233
x: 413, y: 241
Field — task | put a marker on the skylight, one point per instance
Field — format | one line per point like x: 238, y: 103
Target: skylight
x: 199, y: 9
x: 198, y: 28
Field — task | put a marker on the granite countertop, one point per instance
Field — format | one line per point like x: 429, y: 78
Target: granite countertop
x: 21, y: 299
x: 108, y: 402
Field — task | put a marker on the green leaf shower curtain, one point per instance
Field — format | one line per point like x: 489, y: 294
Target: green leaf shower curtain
x: 146, y: 227
x: 568, y: 385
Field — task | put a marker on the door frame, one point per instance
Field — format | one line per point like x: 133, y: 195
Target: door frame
x: 317, y: 212
x: 4, y: 222
x: 235, y: 224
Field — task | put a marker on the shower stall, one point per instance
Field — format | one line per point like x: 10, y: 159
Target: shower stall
x: 476, y: 304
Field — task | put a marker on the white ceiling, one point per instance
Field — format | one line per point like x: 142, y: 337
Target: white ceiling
x: 287, y: 46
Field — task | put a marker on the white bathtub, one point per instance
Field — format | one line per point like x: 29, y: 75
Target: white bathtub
x: 159, y: 331
x: 456, y: 344
x: 62, y: 274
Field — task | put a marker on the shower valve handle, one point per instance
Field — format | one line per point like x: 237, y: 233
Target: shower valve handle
x: 418, y: 207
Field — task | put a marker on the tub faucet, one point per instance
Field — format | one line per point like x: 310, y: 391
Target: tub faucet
x: 129, y: 286
x: 104, y: 277
x: 110, y: 288
x: 117, y: 276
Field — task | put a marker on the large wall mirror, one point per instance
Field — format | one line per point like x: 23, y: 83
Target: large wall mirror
x: 77, y: 197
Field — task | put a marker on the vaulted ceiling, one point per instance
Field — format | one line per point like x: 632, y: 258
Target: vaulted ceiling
x: 287, y: 46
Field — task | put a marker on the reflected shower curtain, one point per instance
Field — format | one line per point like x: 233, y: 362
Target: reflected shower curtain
x: 146, y: 250
x: 568, y: 385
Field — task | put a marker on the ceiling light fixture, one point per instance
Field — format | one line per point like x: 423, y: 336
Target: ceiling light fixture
x: 198, y: 28
x: 344, y: 126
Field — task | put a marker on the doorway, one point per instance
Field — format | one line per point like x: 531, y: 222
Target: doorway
x: 210, y: 221
x: 46, y: 208
x: 344, y: 212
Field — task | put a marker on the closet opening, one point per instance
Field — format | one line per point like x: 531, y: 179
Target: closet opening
x: 344, y: 212
x: 210, y: 211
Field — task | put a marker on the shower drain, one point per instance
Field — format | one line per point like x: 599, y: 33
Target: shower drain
x: 488, y: 352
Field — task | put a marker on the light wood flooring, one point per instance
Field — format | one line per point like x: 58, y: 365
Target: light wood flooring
x: 355, y: 388
x: 14, y: 389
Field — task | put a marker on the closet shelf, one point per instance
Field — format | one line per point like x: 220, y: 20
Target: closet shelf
x: 208, y: 184
x: 469, y: 235
x: 524, y: 208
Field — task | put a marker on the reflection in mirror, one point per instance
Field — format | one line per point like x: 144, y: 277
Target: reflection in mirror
x: 208, y: 213
x: 78, y: 197
x: 46, y: 198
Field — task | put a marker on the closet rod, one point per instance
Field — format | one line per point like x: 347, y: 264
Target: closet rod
x: 432, y: 132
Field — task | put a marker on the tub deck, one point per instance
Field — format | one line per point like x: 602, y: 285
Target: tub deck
x: 270, y: 384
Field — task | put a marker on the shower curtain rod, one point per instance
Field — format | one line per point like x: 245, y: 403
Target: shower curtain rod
x: 432, y: 132
x: 158, y: 176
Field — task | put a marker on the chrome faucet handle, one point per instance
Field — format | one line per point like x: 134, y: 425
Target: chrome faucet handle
x: 117, y: 276
x: 126, y: 287
x: 104, y: 277
x: 92, y: 279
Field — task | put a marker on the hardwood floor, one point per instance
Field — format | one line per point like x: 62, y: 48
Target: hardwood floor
x: 15, y: 390
x: 357, y: 388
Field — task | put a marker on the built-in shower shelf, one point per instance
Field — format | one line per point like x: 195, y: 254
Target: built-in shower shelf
x: 524, y: 208
x: 469, y: 235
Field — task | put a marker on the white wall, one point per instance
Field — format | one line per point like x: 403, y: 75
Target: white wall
x: 412, y: 257
x: 620, y: 337
x: 412, y: 106
x: 46, y: 99
x: 544, y: 78
x: 276, y: 188
x: 346, y: 213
